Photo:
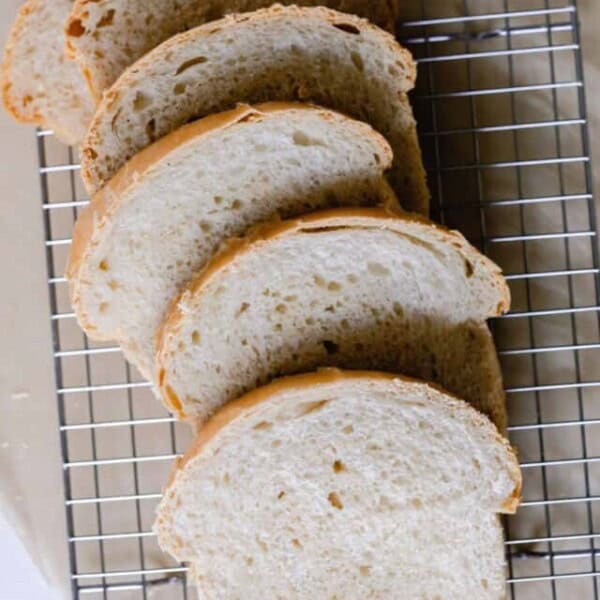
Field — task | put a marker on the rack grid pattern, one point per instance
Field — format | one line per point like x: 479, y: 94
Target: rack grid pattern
x: 501, y: 109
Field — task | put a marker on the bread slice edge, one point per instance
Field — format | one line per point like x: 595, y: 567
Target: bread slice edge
x: 130, y: 76
x: 384, y: 218
x: 244, y: 405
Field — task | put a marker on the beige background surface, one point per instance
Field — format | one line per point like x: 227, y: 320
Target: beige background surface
x: 30, y: 466
x: 31, y: 493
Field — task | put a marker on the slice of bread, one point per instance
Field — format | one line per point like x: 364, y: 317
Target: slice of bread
x: 282, y: 53
x: 106, y: 36
x: 39, y: 83
x: 343, y: 485
x: 349, y: 288
x: 159, y: 220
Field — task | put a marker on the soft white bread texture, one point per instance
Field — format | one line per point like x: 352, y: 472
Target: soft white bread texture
x: 343, y: 485
x: 162, y: 216
x: 106, y: 36
x: 282, y: 53
x: 39, y: 83
x: 350, y: 288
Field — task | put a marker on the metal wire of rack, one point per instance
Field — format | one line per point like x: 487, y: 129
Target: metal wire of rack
x: 501, y: 108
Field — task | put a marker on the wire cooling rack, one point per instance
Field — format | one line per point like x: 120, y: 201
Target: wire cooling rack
x: 501, y: 109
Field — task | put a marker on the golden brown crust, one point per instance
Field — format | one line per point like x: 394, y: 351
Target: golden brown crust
x: 513, y: 502
x: 107, y: 200
x: 246, y: 403
x: 328, y: 219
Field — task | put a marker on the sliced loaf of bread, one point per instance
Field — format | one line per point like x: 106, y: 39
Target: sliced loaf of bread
x: 106, y: 36
x: 282, y: 53
x: 161, y: 217
x: 343, y: 485
x: 39, y: 83
x: 349, y: 288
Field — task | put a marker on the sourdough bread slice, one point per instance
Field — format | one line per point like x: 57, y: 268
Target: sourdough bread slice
x: 349, y: 288
x: 343, y: 485
x: 39, y: 83
x: 159, y: 220
x: 282, y: 53
x: 106, y: 36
